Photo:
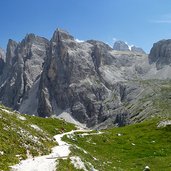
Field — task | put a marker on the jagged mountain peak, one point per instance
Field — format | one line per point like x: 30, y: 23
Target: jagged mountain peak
x: 31, y: 38
x: 89, y: 81
x: 99, y: 43
x: 123, y: 46
x: 11, y: 43
x: 23, y: 66
x: 60, y: 34
x: 137, y: 49
x: 11, y: 52
x: 120, y: 46
x: 161, y: 53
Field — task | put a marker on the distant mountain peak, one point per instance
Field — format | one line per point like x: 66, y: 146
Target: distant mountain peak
x: 120, y: 46
x: 137, y: 49
x: 124, y: 46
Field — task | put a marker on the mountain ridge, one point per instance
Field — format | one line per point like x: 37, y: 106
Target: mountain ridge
x: 123, y: 46
x: 88, y: 80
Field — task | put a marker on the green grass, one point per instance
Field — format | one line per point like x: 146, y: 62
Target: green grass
x: 139, y: 145
x: 66, y: 165
x: 17, y: 137
x: 52, y: 126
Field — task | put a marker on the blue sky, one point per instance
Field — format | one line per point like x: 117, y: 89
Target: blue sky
x: 139, y: 22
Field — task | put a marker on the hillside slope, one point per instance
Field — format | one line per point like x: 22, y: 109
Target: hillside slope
x: 23, y: 136
x: 126, y: 148
x: 131, y: 147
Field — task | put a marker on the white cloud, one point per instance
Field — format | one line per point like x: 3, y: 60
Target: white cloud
x: 114, y: 39
x: 163, y: 19
x: 79, y: 41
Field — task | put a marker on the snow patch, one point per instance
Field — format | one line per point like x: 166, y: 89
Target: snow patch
x: 79, y: 41
x: 129, y: 46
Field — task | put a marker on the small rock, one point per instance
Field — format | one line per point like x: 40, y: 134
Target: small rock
x: 17, y: 155
x: 147, y: 168
x: 1, y: 153
x: 119, y: 134
x: 164, y: 123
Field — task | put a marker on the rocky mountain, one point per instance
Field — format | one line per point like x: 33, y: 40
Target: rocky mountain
x: 161, y: 53
x: 123, y: 46
x: 84, y: 81
x: 23, y: 66
x: 28, y: 136
x: 2, y: 53
x: 120, y: 46
x: 2, y: 57
x: 137, y: 49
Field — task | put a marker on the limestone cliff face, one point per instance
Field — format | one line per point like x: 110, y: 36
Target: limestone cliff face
x: 123, y: 46
x: 23, y: 66
x: 161, y: 53
x: 70, y: 80
x: 137, y: 49
x: 120, y: 46
x: 93, y: 83
x: 2, y: 54
x: 85, y: 80
x: 2, y: 60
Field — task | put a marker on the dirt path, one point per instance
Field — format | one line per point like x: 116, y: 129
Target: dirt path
x: 47, y: 162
